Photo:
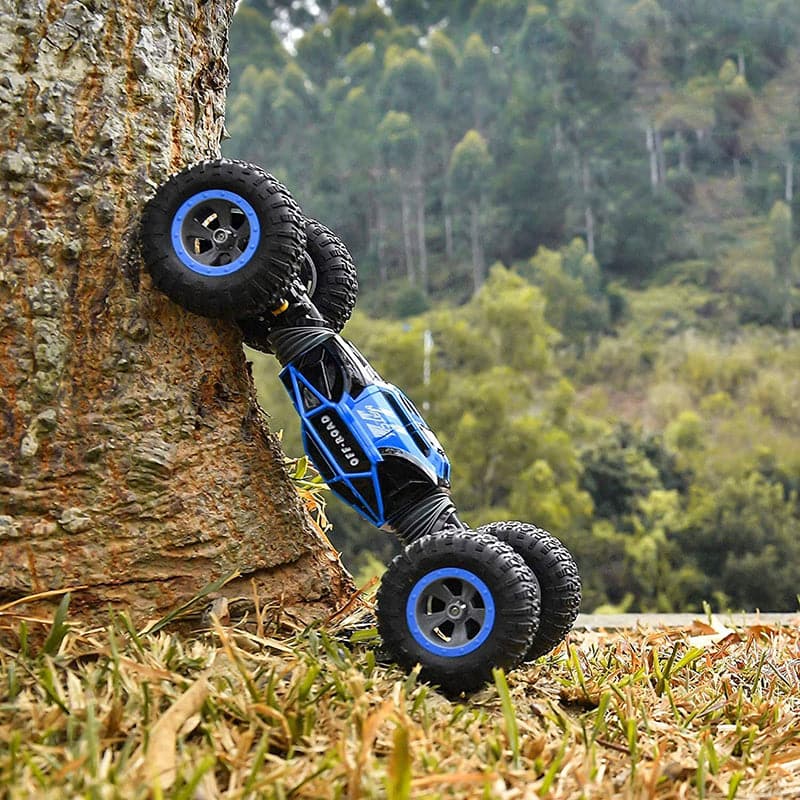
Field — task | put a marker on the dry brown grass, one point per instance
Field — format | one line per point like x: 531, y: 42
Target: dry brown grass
x: 229, y: 713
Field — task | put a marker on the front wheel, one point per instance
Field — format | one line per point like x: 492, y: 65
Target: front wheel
x: 223, y: 239
x: 558, y: 578
x: 458, y: 603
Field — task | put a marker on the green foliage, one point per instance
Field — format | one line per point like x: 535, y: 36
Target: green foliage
x: 617, y: 474
x: 558, y: 92
x: 571, y: 283
x: 399, y: 138
x: 743, y: 533
x: 780, y: 223
x: 631, y: 382
x: 408, y: 76
x: 470, y: 164
x: 410, y: 302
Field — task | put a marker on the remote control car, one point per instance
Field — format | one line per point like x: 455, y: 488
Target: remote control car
x: 226, y: 239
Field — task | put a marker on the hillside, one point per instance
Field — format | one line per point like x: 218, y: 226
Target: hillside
x: 591, y: 207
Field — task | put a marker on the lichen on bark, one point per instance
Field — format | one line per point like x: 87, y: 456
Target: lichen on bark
x: 133, y: 458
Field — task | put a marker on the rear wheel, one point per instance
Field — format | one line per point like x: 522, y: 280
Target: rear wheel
x: 328, y: 275
x: 459, y: 603
x: 558, y: 578
x: 223, y: 239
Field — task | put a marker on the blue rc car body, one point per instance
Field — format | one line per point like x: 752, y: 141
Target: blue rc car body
x: 366, y: 438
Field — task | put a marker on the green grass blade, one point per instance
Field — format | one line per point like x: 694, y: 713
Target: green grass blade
x: 178, y: 612
x: 509, y: 715
x: 398, y: 783
x: 59, y: 628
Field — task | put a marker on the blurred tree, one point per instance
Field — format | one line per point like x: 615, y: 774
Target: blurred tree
x: 647, y: 24
x: 780, y: 223
x: 254, y: 41
x: 446, y: 59
x: 400, y: 143
x: 733, y: 110
x: 498, y: 20
x: 408, y: 77
x: 470, y: 168
x: 570, y: 280
x: 316, y: 53
x: 774, y: 126
x: 475, y: 84
x: 617, y: 474
x: 742, y: 535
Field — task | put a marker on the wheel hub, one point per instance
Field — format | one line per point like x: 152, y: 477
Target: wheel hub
x: 222, y: 236
x: 456, y: 610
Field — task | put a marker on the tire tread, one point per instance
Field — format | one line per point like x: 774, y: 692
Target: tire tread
x: 558, y: 578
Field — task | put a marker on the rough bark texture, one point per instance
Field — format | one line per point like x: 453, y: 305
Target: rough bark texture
x: 133, y: 457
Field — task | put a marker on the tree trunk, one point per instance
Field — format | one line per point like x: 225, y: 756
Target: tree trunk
x: 446, y: 149
x: 650, y: 142
x: 662, y: 161
x: 478, y: 266
x: 788, y: 187
x: 405, y: 205
x: 448, y: 235
x: 422, y: 246
x: 380, y: 224
x: 588, y: 212
x: 134, y: 460
x: 683, y: 152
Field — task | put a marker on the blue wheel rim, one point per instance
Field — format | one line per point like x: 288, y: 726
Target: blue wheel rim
x: 215, y: 233
x: 450, y: 612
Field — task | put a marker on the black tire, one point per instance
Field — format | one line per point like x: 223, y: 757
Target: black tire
x: 223, y: 239
x: 330, y: 278
x: 457, y: 572
x: 329, y: 274
x: 557, y: 574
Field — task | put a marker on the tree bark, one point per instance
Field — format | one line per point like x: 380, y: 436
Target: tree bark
x: 380, y: 224
x: 683, y: 152
x: 134, y: 460
x: 448, y: 236
x: 662, y: 161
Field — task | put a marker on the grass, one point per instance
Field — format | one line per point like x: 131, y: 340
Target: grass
x: 233, y: 712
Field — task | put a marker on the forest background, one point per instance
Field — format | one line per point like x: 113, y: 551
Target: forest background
x: 587, y: 210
